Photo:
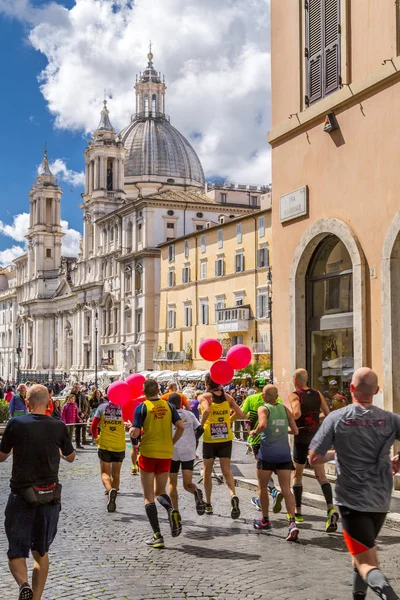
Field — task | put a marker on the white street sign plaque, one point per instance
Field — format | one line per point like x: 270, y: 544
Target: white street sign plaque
x: 294, y: 205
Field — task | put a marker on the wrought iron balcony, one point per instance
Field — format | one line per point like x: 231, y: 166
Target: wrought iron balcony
x: 233, y: 319
x: 172, y: 357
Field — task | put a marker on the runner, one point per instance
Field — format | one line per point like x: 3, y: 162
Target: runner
x: 111, y: 444
x: 307, y: 405
x: 185, y: 454
x: 216, y: 406
x: 250, y: 407
x: 362, y: 435
x: 134, y: 454
x: 274, y: 456
x: 156, y: 417
x: 173, y: 389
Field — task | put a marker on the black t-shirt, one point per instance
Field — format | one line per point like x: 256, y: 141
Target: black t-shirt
x: 36, y: 441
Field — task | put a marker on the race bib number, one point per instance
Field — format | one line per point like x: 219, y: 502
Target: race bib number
x: 219, y: 431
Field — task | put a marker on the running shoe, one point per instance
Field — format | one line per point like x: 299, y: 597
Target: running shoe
x: 134, y: 471
x: 331, y: 521
x: 157, y: 541
x: 200, y: 504
x: 256, y: 502
x: 293, y: 532
x: 235, y: 510
x: 25, y: 592
x: 298, y: 518
x: 262, y: 524
x: 175, y: 523
x: 111, y: 504
x: 277, y: 498
x: 209, y: 509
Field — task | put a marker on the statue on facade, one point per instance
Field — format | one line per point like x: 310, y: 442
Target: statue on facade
x: 128, y: 358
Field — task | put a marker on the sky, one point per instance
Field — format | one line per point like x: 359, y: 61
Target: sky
x: 61, y: 57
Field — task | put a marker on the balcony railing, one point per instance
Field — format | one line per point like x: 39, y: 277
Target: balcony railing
x: 261, y: 348
x: 107, y: 362
x: 233, y: 319
x: 172, y: 357
x: 149, y: 114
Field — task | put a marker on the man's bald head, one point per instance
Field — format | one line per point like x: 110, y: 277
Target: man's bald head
x: 300, y: 377
x: 364, y: 384
x: 270, y: 393
x: 38, y: 398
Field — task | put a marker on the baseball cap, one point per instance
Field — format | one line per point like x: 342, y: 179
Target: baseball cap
x: 333, y: 383
x: 260, y: 382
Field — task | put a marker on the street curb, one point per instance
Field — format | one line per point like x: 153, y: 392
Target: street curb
x: 315, y: 501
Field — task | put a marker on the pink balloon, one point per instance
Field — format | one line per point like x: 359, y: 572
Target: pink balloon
x: 210, y: 350
x: 128, y: 409
x: 222, y: 372
x: 239, y: 356
x: 119, y: 393
x: 135, y: 383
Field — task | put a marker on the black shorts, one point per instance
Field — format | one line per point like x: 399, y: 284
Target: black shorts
x: 256, y: 450
x: 300, y: 453
x: 360, y: 529
x: 263, y: 465
x: 111, y: 457
x: 187, y: 465
x: 29, y: 528
x: 217, y: 449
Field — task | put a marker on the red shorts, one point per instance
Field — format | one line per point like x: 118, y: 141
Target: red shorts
x: 154, y: 465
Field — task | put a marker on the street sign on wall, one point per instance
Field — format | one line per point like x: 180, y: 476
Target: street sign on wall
x: 294, y: 205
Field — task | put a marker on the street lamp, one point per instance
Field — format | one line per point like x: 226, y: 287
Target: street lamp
x: 96, y: 333
x: 271, y: 339
x: 19, y: 350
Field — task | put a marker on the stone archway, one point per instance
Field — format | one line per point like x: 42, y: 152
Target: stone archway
x: 308, y: 243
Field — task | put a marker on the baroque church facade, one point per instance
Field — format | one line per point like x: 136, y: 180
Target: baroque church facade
x: 100, y: 311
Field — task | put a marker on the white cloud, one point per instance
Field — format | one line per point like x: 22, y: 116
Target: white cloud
x: 9, y: 254
x: 60, y: 169
x: 215, y: 56
x: 19, y: 229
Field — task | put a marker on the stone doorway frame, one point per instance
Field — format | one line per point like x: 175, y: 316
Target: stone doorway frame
x: 304, y: 252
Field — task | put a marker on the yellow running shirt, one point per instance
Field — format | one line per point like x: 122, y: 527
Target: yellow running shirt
x: 218, y: 428
x: 156, y: 418
x: 112, y: 427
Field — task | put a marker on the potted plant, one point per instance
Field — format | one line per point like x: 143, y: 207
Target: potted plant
x: 4, y: 415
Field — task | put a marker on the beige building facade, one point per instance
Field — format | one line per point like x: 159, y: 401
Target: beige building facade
x: 214, y: 284
x: 336, y: 189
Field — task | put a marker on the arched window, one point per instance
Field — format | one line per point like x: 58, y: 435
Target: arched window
x: 146, y: 105
x: 154, y: 103
x: 129, y: 241
x: 330, y: 351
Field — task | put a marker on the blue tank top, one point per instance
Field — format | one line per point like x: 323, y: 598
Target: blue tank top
x: 274, y: 441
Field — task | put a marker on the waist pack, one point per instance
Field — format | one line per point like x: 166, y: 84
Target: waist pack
x: 37, y: 495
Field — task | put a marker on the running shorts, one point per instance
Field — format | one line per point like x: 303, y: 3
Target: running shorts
x: 256, y: 450
x: 187, y: 465
x: 360, y: 529
x: 108, y: 456
x: 154, y: 465
x: 300, y: 453
x: 217, y: 449
x: 29, y: 528
x: 263, y: 465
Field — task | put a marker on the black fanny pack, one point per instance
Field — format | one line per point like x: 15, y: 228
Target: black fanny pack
x: 37, y: 495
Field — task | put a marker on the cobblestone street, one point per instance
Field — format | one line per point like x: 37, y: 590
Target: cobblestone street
x: 98, y: 555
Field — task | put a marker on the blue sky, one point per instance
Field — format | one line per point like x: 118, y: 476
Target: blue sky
x: 215, y: 57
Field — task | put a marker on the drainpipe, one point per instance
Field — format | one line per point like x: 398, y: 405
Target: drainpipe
x: 255, y: 282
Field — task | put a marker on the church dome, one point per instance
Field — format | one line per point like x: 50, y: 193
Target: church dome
x: 155, y: 149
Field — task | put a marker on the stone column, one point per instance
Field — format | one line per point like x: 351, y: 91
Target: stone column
x: 38, y: 348
x: 87, y: 177
x: 96, y: 173
x: 58, y: 211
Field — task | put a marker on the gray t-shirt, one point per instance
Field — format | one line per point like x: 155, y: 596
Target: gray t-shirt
x: 362, y: 438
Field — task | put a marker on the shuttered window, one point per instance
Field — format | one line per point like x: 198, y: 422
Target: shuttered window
x: 322, y: 48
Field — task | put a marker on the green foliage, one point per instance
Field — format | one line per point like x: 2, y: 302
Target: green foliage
x: 4, y: 411
x: 253, y: 370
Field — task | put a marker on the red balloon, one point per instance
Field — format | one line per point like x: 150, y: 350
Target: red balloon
x: 239, y: 356
x: 119, y: 393
x: 128, y: 409
x: 135, y: 383
x: 222, y: 372
x: 210, y: 350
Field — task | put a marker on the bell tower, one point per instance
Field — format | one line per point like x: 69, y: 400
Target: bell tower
x: 150, y: 91
x: 44, y: 233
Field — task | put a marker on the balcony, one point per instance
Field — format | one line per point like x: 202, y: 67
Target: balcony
x: 233, y: 319
x: 260, y: 348
x: 171, y: 357
x: 107, y: 362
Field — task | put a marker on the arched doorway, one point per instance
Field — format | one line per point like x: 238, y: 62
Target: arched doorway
x: 329, y: 300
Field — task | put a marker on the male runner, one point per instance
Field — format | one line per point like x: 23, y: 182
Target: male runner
x: 362, y: 435
x: 274, y: 456
x: 173, y: 389
x: 250, y: 407
x: 307, y: 405
x: 156, y: 417
x: 216, y: 407
x: 111, y: 447
x: 185, y: 454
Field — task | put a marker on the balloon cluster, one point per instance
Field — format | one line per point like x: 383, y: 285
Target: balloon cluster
x: 127, y: 394
x: 222, y: 371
